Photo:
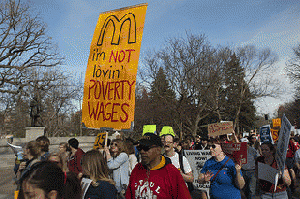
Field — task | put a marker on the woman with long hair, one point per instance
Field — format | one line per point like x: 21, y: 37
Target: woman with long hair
x: 95, y: 167
x: 117, y: 161
x: 224, y: 175
x: 266, y: 188
x: 47, y: 180
x: 44, y: 143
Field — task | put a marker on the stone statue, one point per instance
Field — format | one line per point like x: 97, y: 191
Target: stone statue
x: 34, y: 111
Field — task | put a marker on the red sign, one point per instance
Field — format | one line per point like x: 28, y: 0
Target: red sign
x: 236, y: 151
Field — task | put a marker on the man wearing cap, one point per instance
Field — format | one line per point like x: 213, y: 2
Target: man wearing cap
x: 75, y: 157
x: 156, y: 176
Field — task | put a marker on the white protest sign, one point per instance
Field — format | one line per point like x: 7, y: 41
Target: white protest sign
x: 197, y: 158
x: 222, y: 128
x: 283, y: 142
x: 268, y: 173
x: 265, y: 134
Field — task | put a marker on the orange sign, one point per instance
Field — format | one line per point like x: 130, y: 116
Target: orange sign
x: 274, y: 134
x: 276, y: 122
x: 99, y: 140
x: 109, y: 87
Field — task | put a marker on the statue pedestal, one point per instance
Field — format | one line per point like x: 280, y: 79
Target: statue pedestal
x: 33, y: 132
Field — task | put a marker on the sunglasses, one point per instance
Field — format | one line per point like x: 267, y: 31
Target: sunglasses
x: 212, y: 146
x: 143, y: 147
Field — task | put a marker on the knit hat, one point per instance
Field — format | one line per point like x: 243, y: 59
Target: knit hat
x: 73, y: 143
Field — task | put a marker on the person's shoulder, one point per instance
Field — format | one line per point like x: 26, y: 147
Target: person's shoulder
x: 80, y: 151
x: 105, y: 184
x: 123, y: 155
x: 138, y: 167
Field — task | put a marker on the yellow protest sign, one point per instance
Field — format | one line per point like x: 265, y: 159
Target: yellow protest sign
x: 217, y: 129
x: 167, y: 130
x: 149, y: 129
x: 99, y: 140
x: 109, y: 87
x: 276, y: 122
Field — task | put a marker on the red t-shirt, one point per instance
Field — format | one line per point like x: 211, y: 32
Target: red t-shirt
x: 163, y: 182
x: 74, y: 161
x: 268, y: 186
x: 291, y: 150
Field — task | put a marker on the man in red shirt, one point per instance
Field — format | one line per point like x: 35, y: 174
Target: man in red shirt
x: 155, y: 176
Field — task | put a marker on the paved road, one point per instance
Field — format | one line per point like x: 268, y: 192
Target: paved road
x: 7, y: 186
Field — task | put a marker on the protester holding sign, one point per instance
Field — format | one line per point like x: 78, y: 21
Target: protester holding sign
x: 225, y: 176
x: 117, y: 161
x: 268, y: 189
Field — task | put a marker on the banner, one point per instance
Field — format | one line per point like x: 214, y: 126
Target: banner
x: 265, y: 134
x: 282, y: 144
x: 217, y: 129
x: 276, y: 122
x: 236, y: 151
x: 197, y: 158
x: 109, y: 87
x: 99, y: 140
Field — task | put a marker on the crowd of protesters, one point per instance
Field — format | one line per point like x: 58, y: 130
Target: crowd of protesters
x: 152, y: 167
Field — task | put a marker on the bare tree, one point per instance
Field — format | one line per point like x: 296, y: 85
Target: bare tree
x: 197, y: 73
x: 192, y: 70
x: 293, y: 66
x: 24, y: 46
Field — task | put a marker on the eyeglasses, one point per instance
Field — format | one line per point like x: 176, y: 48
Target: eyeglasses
x: 212, y: 146
x: 143, y: 147
x: 113, y: 144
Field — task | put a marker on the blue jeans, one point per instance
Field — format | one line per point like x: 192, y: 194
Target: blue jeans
x: 250, y: 183
x: 279, y: 195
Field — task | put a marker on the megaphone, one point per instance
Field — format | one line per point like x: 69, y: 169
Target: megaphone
x: 18, y: 151
x: 15, y: 148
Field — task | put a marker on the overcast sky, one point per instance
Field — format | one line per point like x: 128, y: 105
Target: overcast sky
x: 263, y: 23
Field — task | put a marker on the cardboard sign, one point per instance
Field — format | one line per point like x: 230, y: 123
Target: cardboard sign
x: 167, y: 130
x: 197, y: 158
x: 236, y: 151
x: 149, y: 129
x: 276, y: 122
x: 99, y: 140
x: 265, y: 134
x: 217, y: 129
x: 283, y: 142
x: 109, y: 87
x: 274, y: 134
